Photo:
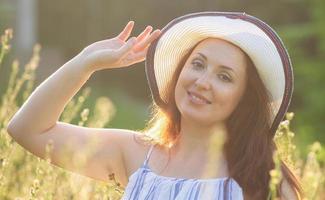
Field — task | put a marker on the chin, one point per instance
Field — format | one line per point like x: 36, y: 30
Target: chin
x: 196, y: 118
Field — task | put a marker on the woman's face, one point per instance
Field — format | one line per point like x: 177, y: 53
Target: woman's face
x: 211, y: 82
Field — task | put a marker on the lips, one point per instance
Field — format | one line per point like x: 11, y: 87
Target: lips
x: 197, y: 95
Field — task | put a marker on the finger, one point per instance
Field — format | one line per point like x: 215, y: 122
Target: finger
x: 139, y: 57
x: 147, y: 41
x: 144, y: 33
x: 123, y: 50
x: 126, y: 31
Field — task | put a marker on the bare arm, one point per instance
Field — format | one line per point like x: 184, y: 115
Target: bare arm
x: 43, y: 108
x: 36, y: 122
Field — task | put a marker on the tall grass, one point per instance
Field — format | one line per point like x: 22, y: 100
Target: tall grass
x: 25, y: 176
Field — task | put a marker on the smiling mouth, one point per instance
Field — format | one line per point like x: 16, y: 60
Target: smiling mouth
x: 196, y: 99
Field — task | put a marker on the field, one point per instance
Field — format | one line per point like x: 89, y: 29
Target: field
x: 25, y: 176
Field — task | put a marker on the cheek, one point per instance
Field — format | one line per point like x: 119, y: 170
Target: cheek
x: 227, y: 96
x: 179, y: 90
x: 183, y: 83
x: 185, y: 79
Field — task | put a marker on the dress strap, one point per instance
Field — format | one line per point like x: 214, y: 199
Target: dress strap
x: 148, y: 155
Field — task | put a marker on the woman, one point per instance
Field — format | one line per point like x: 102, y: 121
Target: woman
x: 220, y: 77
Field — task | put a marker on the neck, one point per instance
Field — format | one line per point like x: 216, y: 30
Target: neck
x: 196, y: 139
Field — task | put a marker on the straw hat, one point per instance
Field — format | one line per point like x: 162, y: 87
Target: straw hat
x: 255, y: 37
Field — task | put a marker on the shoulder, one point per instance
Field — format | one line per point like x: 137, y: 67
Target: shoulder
x: 135, y: 140
x: 287, y: 191
x: 135, y: 147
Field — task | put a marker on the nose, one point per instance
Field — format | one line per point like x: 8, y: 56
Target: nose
x: 203, y: 81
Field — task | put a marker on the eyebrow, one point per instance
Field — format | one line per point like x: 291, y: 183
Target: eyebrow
x: 222, y: 66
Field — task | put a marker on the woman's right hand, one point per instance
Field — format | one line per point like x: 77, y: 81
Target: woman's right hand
x: 117, y: 52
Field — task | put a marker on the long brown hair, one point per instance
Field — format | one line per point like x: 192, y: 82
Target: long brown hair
x: 248, y: 133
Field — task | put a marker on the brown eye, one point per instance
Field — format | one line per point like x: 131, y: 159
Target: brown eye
x: 225, y: 78
x: 197, y: 64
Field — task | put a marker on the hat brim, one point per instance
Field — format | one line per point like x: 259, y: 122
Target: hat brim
x: 255, y: 37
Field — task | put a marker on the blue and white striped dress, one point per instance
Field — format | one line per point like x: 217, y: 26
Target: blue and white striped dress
x: 144, y: 184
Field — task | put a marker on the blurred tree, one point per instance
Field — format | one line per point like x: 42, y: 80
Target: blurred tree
x: 69, y: 26
x: 306, y: 41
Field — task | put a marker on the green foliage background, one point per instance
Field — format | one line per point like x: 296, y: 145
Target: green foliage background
x: 71, y: 25
x: 69, y: 28
x: 23, y: 175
